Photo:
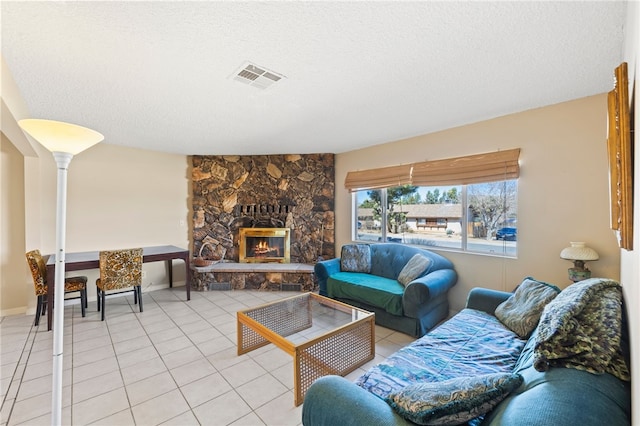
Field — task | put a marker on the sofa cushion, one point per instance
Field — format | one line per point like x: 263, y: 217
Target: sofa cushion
x: 371, y: 289
x: 453, y: 401
x: 356, y: 258
x: 415, y: 267
x: 469, y: 344
x: 599, y: 398
x: 521, y: 311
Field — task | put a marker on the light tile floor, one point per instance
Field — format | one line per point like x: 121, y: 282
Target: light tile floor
x: 173, y: 364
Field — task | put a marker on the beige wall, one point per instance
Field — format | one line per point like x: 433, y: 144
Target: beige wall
x: 562, y: 190
x: 120, y: 197
x: 14, y: 293
x: 117, y: 197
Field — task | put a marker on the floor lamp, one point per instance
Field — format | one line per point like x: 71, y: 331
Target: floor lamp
x: 64, y: 140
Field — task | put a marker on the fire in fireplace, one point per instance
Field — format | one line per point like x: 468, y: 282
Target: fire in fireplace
x: 258, y: 245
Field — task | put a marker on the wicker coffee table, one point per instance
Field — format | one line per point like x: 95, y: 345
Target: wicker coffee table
x: 324, y: 336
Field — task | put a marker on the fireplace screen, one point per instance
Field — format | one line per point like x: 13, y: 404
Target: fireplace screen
x: 264, y: 245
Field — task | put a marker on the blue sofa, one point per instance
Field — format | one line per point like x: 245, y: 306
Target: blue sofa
x: 412, y: 309
x: 475, y: 341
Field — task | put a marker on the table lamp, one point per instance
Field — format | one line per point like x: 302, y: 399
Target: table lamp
x: 64, y: 140
x: 579, y: 253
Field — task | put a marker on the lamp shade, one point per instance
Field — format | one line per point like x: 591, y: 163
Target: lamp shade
x: 578, y: 251
x: 57, y: 136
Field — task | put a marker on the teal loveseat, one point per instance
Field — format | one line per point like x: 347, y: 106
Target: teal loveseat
x: 369, y: 279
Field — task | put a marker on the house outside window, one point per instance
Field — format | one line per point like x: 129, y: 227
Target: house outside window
x: 479, y: 217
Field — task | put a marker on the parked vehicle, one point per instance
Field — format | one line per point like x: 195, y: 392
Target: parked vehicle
x: 506, y: 234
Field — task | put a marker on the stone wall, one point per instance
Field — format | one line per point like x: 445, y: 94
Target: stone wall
x: 293, y: 191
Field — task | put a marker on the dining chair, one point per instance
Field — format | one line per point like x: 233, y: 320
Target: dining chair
x: 119, y: 269
x: 38, y: 269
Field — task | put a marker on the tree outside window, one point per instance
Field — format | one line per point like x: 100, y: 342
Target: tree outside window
x: 493, y: 206
x: 396, y: 197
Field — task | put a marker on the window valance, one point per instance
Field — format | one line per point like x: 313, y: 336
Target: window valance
x: 378, y: 178
x: 479, y: 168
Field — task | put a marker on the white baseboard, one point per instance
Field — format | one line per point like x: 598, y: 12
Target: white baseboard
x: 17, y: 311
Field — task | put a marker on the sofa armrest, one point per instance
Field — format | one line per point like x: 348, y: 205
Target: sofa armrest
x: 324, y: 270
x: 485, y: 299
x: 420, y: 291
x: 333, y: 400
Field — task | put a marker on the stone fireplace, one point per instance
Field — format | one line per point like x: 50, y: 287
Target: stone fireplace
x: 264, y: 245
x: 233, y: 193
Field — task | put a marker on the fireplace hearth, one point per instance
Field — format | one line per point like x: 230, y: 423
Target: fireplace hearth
x: 264, y: 245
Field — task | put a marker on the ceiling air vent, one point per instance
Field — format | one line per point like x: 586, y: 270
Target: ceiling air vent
x: 256, y: 76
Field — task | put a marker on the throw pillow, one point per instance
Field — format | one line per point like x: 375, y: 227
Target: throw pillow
x: 356, y: 258
x: 453, y: 401
x: 521, y: 311
x: 414, y: 268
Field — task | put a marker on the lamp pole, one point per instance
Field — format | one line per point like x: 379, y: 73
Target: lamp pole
x: 64, y: 140
x: 62, y: 160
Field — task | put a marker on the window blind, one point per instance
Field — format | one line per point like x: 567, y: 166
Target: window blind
x: 378, y: 178
x: 479, y: 168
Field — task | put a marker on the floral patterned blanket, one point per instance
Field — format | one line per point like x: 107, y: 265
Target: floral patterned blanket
x: 469, y: 344
x: 582, y: 328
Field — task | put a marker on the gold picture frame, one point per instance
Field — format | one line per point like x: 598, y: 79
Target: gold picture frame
x: 620, y: 154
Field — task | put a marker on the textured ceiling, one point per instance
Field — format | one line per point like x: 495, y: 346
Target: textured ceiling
x: 159, y: 75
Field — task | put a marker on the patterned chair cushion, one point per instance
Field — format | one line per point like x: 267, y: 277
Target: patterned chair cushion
x: 521, y: 311
x: 38, y: 268
x: 453, y: 401
x: 120, y: 269
x: 38, y: 271
x: 75, y: 283
x: 356, y: 258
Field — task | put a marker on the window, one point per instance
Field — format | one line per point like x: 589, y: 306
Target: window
x: 477, y: 215
x: 437, y: 216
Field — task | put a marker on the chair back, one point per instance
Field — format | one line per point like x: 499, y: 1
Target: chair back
x: 120, y: 268
x: 38, y: 271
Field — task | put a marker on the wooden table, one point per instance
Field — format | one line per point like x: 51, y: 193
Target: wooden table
x: 91, y: 260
